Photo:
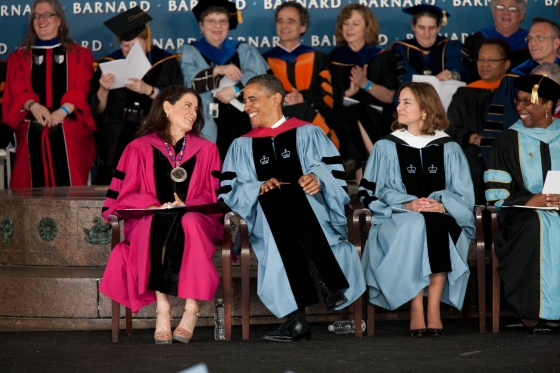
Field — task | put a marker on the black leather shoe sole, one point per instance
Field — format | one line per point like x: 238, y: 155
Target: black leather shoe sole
x: 418, y: 333
x: 335, y: 300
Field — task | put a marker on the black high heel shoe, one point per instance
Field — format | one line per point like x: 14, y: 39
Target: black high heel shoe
x: 418, y: 333
x: 539, y: 328
x: 435, y: 332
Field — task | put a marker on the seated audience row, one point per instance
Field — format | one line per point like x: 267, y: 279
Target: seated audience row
x: 358, y: 69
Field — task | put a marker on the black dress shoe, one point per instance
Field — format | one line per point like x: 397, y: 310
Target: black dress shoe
x: 332, y: 299
x: 418, y: 333
x: 435, y: 332
x: 290, y: 331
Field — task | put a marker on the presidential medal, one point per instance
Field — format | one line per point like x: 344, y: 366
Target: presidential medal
x: 178, y: 174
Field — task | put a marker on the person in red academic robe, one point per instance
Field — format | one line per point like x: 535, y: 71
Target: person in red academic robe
x: 45, y: 103
x: 170, y: 252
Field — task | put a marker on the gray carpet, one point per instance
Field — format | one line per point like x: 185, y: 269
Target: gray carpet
x: 462, y: 349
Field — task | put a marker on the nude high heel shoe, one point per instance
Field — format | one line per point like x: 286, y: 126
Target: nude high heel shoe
x: 165, y: 332
x: 181, y: 334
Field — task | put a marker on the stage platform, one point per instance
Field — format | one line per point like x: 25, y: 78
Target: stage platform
x: 53, y: 249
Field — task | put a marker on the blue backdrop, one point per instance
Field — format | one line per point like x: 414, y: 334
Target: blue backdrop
x: 174, y: 23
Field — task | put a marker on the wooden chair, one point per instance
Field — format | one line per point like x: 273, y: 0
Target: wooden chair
x: 496, y: 283
x: 480, y: 269
x: 245, y: 258
x: 361, y: 224
x: 115, y: 306
x: 363, y: 215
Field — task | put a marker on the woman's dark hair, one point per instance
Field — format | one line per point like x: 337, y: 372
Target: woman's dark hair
x: 63, y: 31
x: 500, y: 43
x: 429, y: 101
x: 372, y: 26
x: 158, y: 122
x: 213, y: 9
x: 426, y: 13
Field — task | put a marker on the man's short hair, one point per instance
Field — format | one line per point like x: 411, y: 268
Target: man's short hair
x: 501, y: 44
x: 270, y: 84
x: 555, y: 29
x: 549, y: 69
x: 521, y: 5
x: 304, y: 18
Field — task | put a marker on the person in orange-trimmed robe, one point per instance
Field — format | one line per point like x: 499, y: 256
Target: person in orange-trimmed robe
x: 303, y: 71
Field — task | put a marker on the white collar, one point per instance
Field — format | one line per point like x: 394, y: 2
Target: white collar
x: 279, y: 123
x: 287, y: 50
x: 418, y: 142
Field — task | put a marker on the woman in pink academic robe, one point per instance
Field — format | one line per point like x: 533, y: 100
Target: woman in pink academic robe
x: 168, y: 253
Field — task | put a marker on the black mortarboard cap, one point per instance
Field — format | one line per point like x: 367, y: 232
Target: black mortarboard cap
x: 539, y: 86
x: 435, y: 10
x: 129, y: 24
x: 235, y: 16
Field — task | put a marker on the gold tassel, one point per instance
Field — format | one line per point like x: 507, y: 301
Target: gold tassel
x: 149, y: 44
x: 444, y: 18
x: 535, y: 92
x: 239, y: 17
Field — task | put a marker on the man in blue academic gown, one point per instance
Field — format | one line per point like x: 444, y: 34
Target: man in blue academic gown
x: 543, y: 41
x: 286, y: 178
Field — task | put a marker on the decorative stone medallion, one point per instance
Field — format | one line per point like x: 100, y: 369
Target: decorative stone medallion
x: 7, y: 229
x: 47, y: 229
x: 99, y: 234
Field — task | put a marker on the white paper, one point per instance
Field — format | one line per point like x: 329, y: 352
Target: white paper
x: 224, y: 83
x: 347, y: 101
x: 533, y: 207
x: 445, y: 89
x: 135, y: 65
x: 552, y: 183
x: 237, y: 104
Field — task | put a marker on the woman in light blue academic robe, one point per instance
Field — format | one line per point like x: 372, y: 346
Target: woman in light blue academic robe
x: 417, y: 184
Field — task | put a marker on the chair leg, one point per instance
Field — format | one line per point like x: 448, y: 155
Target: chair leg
x: 245, y: 280
x: 226, y: 275
x: 115, y: 310
x: 481, y: 269
x: 495, y: 295
x: 370, y: 318
x: 358, y: 317
x: 128, y: 313
x: 495, y: 278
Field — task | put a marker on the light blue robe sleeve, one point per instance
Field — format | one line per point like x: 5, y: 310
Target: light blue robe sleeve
x: 458, y: 196
x: 240, y: 187
x: 192, y: 63
x: 251, y: 61
x: 316, y: 150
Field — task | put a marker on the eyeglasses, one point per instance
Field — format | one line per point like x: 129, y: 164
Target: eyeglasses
x: 501, y: 8
x: 539, y: 38
x: 214, y: 22
x: 38, y: 16
x: 524, y: 102
x: 490, y: 61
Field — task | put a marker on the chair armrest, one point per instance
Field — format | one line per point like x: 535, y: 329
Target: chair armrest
x: 361, y: 224
x: 115, y: 230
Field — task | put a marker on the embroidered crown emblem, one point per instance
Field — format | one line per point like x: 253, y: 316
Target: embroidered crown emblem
x: 264, y: 160
x: 432, y: 169
x: 286, y: 154
x: 411, y: 169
